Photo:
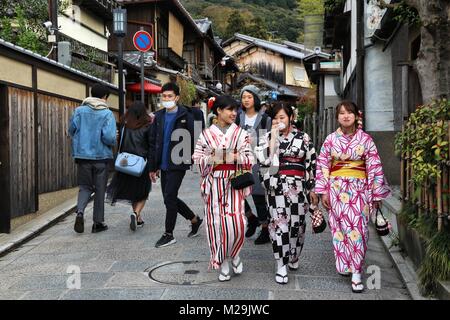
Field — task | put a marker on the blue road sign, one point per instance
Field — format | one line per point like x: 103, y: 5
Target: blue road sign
x: 143, y: 41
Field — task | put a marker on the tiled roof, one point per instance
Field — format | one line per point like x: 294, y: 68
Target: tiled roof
x: 276, y: 47
x: 134, y: 58
x: 203, y: 24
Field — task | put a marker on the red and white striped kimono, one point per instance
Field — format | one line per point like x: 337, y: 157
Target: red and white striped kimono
x: 224, y: 207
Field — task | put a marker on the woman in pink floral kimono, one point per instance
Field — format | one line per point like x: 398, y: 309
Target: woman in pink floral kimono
x: 350, y: 179
x: 221, y: 149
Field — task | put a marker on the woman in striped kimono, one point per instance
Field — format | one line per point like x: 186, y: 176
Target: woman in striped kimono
x: 351, y: 181
x: 221, y: 149
x: 287, y: 158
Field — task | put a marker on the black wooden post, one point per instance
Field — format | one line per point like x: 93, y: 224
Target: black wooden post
x: 5, y: 168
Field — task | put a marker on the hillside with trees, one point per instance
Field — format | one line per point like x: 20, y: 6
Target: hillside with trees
x: 266, y: 19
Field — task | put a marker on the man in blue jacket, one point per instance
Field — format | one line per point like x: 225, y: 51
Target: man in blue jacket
x: 93, y: 131
x: 169, y: 157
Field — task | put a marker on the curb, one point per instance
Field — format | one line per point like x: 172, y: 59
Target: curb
x: 36, y: 226
x: 403, y: 264
x: 404, y: 268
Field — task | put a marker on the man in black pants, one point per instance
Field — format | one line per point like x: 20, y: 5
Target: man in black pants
x: 172, y: 117
x: 93, y: 131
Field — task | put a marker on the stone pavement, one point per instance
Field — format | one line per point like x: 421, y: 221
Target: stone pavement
x: 120, y: 264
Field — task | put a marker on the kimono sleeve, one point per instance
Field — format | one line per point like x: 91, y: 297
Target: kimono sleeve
x: 202, y: 155
x: 262, y: 152
x: 375, y: 176
x: 310, y: 163
x: 323, y: 167
x: 246, y: 158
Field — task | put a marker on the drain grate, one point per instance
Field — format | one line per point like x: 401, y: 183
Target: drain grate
x: 185, y: 273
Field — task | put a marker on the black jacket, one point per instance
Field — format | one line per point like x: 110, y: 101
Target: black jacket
x: 184, y: 120
x: 136, y: 141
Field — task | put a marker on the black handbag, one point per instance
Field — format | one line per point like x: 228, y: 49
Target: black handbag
x: 381, y: 223
x: 242, y: 179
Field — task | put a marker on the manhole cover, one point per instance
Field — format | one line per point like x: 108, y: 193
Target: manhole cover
x: 186, y: 273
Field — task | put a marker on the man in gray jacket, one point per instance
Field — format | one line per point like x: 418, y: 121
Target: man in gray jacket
x: 93, y: 131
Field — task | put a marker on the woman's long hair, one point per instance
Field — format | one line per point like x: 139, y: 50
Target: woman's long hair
x: 137, y: 116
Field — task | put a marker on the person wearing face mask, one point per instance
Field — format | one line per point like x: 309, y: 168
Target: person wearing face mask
x: 172, y: 117
x: 351, y: 183
x: 220, y: 150
x: 287, y: 157
x: 255, y: 121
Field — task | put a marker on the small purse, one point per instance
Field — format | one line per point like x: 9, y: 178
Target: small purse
x: 242, y: 179
x: 129, y: 163
x: 381, y: 223
x: 318, y: 221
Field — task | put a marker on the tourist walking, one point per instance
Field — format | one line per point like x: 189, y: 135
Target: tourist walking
x: 255, y: 121
x: 135, y: 139
x: 93, y: 131
x: 287, y: 158
x: 221, y: 150
x: 173, y: 117
x: 351, y: 183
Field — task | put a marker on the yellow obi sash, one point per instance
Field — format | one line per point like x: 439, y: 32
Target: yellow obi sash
x: 348, y: 169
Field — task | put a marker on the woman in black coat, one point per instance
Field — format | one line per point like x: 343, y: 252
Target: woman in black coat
x: 135, y: 137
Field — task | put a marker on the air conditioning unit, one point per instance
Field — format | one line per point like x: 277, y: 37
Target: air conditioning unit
x: 64, y: 54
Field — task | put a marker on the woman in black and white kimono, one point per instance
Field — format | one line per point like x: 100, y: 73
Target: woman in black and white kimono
x: 287, y: 157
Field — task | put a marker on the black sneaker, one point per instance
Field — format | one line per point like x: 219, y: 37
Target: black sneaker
x: 263, y: 237
x: 166, y: 240
x: 252, y: 224
x: 79, y: 223
x: 99, y: 227
x: 195, y: 227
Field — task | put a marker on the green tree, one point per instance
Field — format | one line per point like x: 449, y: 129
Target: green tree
x: 258, y: 29
x: 21, y: 23
x: 236, y: 24
x: 310, y: 7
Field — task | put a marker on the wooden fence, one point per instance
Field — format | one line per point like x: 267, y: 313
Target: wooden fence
x: 431, y: 196
x: 22, y: 154
x: 57, y: 169
x: 51, y: 148
x: 319, y: 126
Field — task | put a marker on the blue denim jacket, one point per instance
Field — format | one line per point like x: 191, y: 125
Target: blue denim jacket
x: 93, y: 132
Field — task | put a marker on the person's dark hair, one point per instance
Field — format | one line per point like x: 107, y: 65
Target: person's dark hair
x: 171, y: 86
x: 349, y: 106
x: 278, y: 106
x: 99, y: 90
x: 224, y: 102
x: 137, y: 116
x: 256, y: 100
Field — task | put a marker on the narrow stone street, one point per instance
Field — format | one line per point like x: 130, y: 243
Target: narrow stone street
x: 121, y: 264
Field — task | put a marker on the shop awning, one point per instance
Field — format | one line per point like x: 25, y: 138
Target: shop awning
x: 148, y: 87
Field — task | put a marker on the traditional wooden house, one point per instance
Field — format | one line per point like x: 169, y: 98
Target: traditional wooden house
x: 281, y: 64
x: 83, y: 37
x: 183, y: 47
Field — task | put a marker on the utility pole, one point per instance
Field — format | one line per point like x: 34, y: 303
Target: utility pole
x: 53, y: 14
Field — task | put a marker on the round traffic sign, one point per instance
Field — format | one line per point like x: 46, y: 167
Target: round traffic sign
x: 143, y: 41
